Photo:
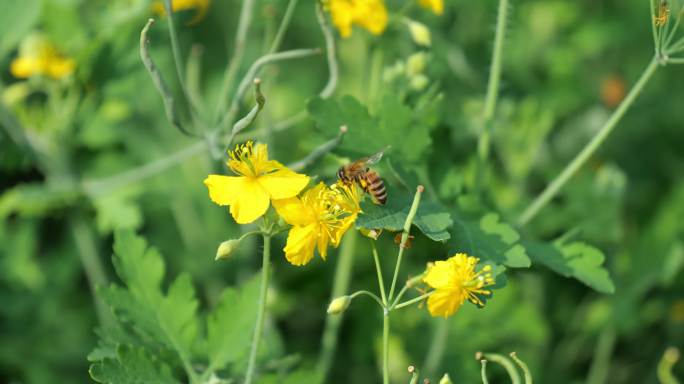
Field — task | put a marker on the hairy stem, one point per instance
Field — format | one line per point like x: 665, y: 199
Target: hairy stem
x: 552, y: 189
x: 343, y: 271
x: 259, y: 327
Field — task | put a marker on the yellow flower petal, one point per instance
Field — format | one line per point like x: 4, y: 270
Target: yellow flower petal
x: 223, y: 190
x: 283, y: 183
x: 300, y: 245
x: 322, y: 244
x: 436, y: 6
x: 445, y: 302
x: 23, y: 67
x: 250, y: 203
x: 440, y: 274
x: 294, y: 212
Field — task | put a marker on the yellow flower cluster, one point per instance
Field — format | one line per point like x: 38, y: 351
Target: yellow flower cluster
x: 368, y: 14
x: 201, y: 7
x: 319, y: 217
x: 455, y: 281
x: 37, y: 56
x: 436, y: 6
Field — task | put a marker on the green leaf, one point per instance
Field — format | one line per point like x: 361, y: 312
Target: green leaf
x: 35, y: 199
x: 117, y: 211
x: 489, y: 239
x: 17, y: 19
x: 164, y: 320
x: 430, y: 218
x: 578, y: 260
x: 132, y: 365
x: 230, y: 326
x: 395, y: 125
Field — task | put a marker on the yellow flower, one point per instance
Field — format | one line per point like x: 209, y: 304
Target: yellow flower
x: 368, y: 14
x: 37, y: 56
x: 456, y: 281
x: 183, y: 5
x: 319, y: 218
x: 259, y: 181
x: 436, y: 6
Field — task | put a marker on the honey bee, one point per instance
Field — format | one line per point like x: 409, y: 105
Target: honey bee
x: 359, y: 172
x: 663, y: 14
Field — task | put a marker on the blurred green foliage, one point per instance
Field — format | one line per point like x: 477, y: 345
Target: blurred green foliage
x: 66, y: 146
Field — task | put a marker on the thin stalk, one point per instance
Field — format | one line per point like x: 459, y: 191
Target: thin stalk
x: 404, y: 238
x: 654, y: 29
x: 258, y: 329
x: 483, y: 371
x: 600, y: 364
x: 343, y: 271
x: 409, y: 284
x: 378, y: 270
x: 238, y: 53
x: 552, y: 189
x: 86, y: 246
x: 437, y: 347
x: 413, y: 301
x: 251, y: 74
x: 665, y: 365
x: 494, y: 80
x: 369, y: 294
x: 177, y: 55
x: 504, y: 362
x: 284, y: 24
x: 523, y: 367
x: 385, y: 348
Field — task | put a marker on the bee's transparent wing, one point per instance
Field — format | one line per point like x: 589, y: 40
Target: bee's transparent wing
x: 376, y: 157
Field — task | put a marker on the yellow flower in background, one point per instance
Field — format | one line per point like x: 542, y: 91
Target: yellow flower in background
x: 368, y: 14
x: 319, y: 218
x: 259, y: 181
x: 37, y: 56
x: 436, y: 6
x: 201, y: 7
x: 456, y: 281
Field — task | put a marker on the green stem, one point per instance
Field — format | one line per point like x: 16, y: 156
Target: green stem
x: 413, y: 301
x: 665, y: 365
x: 258, y: 329
x: 494, y: 80
x: 341, y: 280
x: 404, y: 238
x: 552, y: 189
x: 284, y: 24
x: 86, y: 244
x: 437, y: 347
x: 385, y: 348
x: 504, y: 362
x: 235, y: 61
x: 177, y: 56
x: 369, y: 294
x: 483, y: 371
x: 409, y: 284
x: 526, y: 370
x: 378, y: 270
x: 600, y: 365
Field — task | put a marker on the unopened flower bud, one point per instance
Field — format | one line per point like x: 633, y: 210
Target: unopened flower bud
x: 419, y: 33
x: 445, y: 379
x: 339, y: 305
x: 415, y: 64
x: 419, y: 82
x: 227, y: 248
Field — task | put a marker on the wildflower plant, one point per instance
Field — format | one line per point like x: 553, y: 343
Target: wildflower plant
x: 453, y: 228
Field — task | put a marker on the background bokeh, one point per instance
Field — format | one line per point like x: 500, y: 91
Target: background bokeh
x: 567, y: 63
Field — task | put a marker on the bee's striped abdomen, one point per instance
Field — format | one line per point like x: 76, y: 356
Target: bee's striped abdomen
x: 375, y: 187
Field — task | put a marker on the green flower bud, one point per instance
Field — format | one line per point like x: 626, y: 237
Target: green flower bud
x: 415, y: 64
x: 445, y: 379
x: 419, y: 33
x: 339, y: 305
x: 419, y: 82
x: 227, y: 248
